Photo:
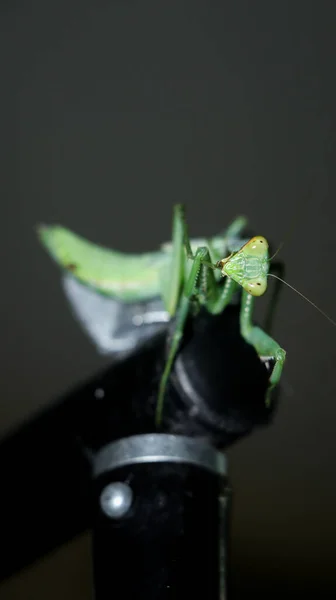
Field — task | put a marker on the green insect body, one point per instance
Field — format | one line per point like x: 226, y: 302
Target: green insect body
x: 179, y: 272
x: 129, y: 277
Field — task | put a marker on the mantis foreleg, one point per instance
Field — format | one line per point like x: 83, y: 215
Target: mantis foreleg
x: 261, y: 341
x: 279, y: 269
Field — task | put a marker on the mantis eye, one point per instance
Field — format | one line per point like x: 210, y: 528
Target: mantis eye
x: 257, y: 246
x: 256, y: 287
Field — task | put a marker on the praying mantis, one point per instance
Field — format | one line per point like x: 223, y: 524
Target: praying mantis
x: 184, y: 273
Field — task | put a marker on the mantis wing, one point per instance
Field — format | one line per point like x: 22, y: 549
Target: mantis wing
x: 114, y: 296
x: 125, y: 277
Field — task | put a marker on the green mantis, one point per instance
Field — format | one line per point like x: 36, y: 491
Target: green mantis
x: 182, y: 273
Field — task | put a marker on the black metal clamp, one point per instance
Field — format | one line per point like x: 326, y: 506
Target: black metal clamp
x: 157, y: 501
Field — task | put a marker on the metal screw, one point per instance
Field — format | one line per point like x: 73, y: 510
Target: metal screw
x: 116, y: 499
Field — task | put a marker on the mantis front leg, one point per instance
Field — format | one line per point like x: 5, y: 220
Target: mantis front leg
x: 261, y: 341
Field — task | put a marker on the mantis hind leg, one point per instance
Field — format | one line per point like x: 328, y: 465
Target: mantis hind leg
x: 172, y: 278
x: 264, y: 345
x: 229, y: 240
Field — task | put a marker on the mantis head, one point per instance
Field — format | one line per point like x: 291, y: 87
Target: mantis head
x: 249, y: 266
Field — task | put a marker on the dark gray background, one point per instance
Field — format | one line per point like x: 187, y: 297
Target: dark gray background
x: 112, y: 111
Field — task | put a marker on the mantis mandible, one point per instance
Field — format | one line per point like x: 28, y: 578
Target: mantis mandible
x: 181, y: 272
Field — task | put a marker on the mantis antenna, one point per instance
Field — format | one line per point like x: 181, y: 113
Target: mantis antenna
x: 304, y: 297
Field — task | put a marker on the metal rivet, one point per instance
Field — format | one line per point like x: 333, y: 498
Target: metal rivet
x: 116, y: 499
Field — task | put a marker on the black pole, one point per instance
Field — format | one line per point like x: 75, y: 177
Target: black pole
x: 159, y: 514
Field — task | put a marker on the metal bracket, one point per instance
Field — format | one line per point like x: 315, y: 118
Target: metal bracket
x: 160, y: 448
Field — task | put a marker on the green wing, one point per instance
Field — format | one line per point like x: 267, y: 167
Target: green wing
x: 127, y: 277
